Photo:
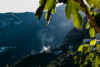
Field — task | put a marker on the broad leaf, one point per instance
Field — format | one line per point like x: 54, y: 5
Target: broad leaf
x: 50, y: 9
x: 93, y: 42
x: 49, y: 5
x: 39, y: 11
x: 98, y: 47
x: 97, y: 62
x: 73, y: 8
x: 92, y: 32
x: 91, y: 55
x: 88, y: 25
x: 95, y: 3
x: 80, y: 49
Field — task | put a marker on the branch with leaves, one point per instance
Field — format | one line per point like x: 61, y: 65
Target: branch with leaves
x: 72, y: 9
x: 89, y: 56
x: 88, y: 15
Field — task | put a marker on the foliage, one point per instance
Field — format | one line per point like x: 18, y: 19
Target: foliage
x: 72, y: 9
x: 89, y: 55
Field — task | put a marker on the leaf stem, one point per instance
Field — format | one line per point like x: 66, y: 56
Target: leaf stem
x: 88, y: 15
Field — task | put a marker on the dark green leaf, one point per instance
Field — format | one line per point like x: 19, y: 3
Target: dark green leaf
x: 39, y: 11
x: 77, y: 58
x: 91, y: 55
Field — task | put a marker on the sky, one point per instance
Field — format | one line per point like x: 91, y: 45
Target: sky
x: 17, y: 6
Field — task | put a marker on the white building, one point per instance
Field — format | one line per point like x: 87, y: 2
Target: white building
x: 97, y: 36
x: 32, y: 52
x: 86, y: 40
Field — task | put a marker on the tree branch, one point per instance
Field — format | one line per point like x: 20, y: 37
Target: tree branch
x: 88, y: 16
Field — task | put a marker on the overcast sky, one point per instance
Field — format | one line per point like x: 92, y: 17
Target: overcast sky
x: 19, y: 5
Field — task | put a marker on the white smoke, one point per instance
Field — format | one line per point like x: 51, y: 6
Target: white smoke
x: 45, y: 48
x: 45, y: 37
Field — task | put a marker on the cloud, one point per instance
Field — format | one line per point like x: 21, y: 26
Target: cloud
x: 17, y: 6
x: 45, y: 38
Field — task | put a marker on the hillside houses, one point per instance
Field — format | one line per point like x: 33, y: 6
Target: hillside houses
x: 87, y: 40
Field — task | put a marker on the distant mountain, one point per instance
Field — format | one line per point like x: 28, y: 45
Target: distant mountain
x: 65, y: 56
x: 25, y: 33
x: 75, y: 36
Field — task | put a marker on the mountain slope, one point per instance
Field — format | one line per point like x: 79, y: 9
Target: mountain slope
x: 21, y: 32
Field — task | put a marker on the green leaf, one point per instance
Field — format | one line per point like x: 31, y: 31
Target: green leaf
x: 41, y: 2
x: 88, y: 25
x: 91, y: 55
x: 97, y: 62
x: 39, y: 11
x: 49, y: 4
x: 47, y: 23
x: 98, y: 47
x: 73, y: 8
x: 76, y: 58
x: 53, y: 8
x: 85, y: 45
x: 85, y: 48
x: 47, y: 15
x: 93, y: 42
x: 92, y: 32
x: 80, y: 49
x: 95, y: 3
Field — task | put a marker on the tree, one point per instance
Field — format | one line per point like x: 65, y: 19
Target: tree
x: 72, y: 9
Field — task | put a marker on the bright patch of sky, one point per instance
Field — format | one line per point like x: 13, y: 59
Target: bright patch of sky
x: 19, y: 5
